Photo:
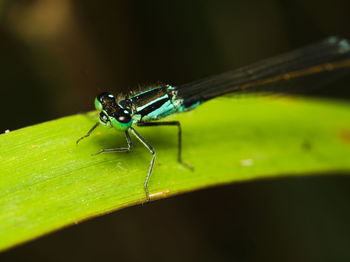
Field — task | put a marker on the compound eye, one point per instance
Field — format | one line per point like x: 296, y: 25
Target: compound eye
x: 104, y: 118
x: 105, y: 95
x: 98, y: 104
x: 124, y: 118
x: 103, y: 100
x: 121, y: 120
x: 110, y: 96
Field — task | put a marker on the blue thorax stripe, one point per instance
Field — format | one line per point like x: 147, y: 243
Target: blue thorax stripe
x: 152, y: 106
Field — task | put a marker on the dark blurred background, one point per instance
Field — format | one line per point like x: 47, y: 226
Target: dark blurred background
x: 56, y: 55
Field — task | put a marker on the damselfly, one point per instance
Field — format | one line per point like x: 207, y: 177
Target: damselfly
x: 306, y: 67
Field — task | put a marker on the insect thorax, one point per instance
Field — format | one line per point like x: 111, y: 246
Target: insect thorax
x: 153, y: 104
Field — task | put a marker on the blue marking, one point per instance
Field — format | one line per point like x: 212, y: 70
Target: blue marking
x: 183, y: 108
x: 166, y: 109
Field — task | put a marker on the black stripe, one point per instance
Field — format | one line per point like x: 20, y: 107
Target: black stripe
x: 152, y: 107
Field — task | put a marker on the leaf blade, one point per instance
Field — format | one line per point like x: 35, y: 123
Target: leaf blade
x: 47, y: 182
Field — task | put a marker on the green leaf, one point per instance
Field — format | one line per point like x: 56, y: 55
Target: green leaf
x: 48, y: 182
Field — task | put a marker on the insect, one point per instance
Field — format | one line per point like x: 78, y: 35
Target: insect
x: 306, y: 67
